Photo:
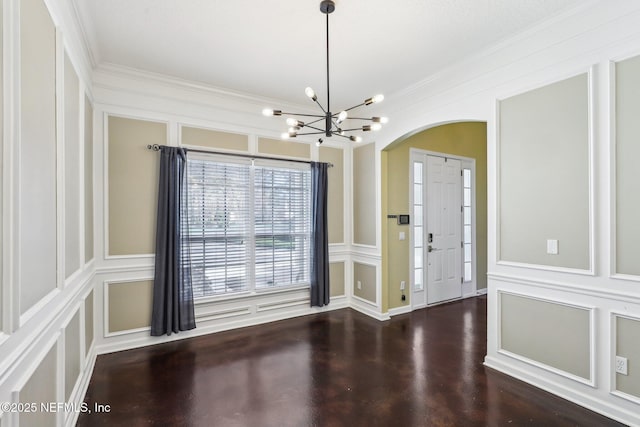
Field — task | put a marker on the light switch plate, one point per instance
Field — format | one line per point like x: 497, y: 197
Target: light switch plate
x: 401, y: 235
x: 552, y: 246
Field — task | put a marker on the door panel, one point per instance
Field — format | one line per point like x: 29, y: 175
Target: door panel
x: 444, y: 221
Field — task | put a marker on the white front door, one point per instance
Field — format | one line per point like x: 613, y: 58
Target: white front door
x: 443, y: 238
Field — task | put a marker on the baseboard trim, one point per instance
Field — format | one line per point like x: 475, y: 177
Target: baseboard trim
x: 399, y: 310
x: 81, y: 391
x: 606, y: 408
x: 369, y: 311
x: 143, y: 339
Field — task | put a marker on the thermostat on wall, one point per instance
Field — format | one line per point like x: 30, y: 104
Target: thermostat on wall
x: 403, y: 219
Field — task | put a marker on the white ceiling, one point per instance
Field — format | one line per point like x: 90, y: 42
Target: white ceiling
x: 276, y: 48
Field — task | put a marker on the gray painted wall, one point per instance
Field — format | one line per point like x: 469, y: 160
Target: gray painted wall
x: 544, y: 175
x: 627, y: 172
x: 553, y: 334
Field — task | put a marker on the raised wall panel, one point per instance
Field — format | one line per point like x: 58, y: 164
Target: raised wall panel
x: 71, y: 355
x: 366, y: 275
x: 335, y: 192
x: 88, y: 180
x: 627, y: 335
x: 214, y: 139
x: 364, y: 195
x: 627, y: 128
x: 544, y: 175
x: 133, y: 184
x: 336, y: 279
x: 284, y: 148
x: 72, y: 209
x: 40, y: 388
x: 88, y: 322
x: 547, y: 333
x: 37, y: 147
x: 129, y: 305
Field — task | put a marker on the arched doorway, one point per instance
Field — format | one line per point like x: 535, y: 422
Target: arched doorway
x: 406, y: 257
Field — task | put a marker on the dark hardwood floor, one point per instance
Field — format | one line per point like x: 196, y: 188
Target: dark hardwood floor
x: 339, y: 368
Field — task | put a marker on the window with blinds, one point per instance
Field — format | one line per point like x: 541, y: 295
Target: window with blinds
x: 247, y: 227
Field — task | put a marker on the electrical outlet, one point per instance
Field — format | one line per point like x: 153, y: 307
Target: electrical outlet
x: 359, y: 284
x: 621, y: 365
x: 402, y: 284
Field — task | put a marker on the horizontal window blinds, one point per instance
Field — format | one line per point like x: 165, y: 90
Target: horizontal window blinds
x: 247, y: 227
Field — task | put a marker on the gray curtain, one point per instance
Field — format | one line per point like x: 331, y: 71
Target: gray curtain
x: 319, y: 236
x: 172, y: 292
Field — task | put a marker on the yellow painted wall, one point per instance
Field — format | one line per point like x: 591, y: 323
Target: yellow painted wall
x: 335, y: 203
x: 214, y: 139
x: 130, y: 305
x: 336, y: 278
x: 133, y: 184
x: 467, y: 139
x: 364, y: 195
x: 276, y: 147
x: 365, y: 275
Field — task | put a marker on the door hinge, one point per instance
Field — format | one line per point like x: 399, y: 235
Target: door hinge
x: 461, y: 280
x: 461, y: 244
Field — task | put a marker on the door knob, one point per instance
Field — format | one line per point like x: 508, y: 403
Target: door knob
x: 430, y: 248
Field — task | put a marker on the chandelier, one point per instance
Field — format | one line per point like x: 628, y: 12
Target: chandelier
x: 328, y: 123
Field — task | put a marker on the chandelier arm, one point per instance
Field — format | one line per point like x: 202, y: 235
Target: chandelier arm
x: 310, y: 133
x: 315, y: 121
x: 304, y: 115
x: 361, y: 118
x: 350, y: 130
x: 313, y: 127
x: 321, y: 107
x: 355, y: 106
x: 343, y: 136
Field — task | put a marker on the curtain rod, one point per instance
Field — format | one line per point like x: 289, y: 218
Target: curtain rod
x: 156, y: 147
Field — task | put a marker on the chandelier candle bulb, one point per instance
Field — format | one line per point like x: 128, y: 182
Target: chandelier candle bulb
x: 269, y: 112
x: 310, y: 93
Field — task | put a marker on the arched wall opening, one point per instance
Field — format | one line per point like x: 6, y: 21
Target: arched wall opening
x: 465, y: 139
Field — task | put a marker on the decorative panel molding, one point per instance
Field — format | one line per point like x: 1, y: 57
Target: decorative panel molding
x: 213, y: 139
x: 544, y: 175
x: 627, y: 174
x: 284, y: 148
x: 132, y: 184
x: 548, y: 334
x: 128, y: 305
x: 626, y: 336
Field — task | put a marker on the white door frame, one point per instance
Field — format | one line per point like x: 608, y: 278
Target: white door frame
x: 468, y: 288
